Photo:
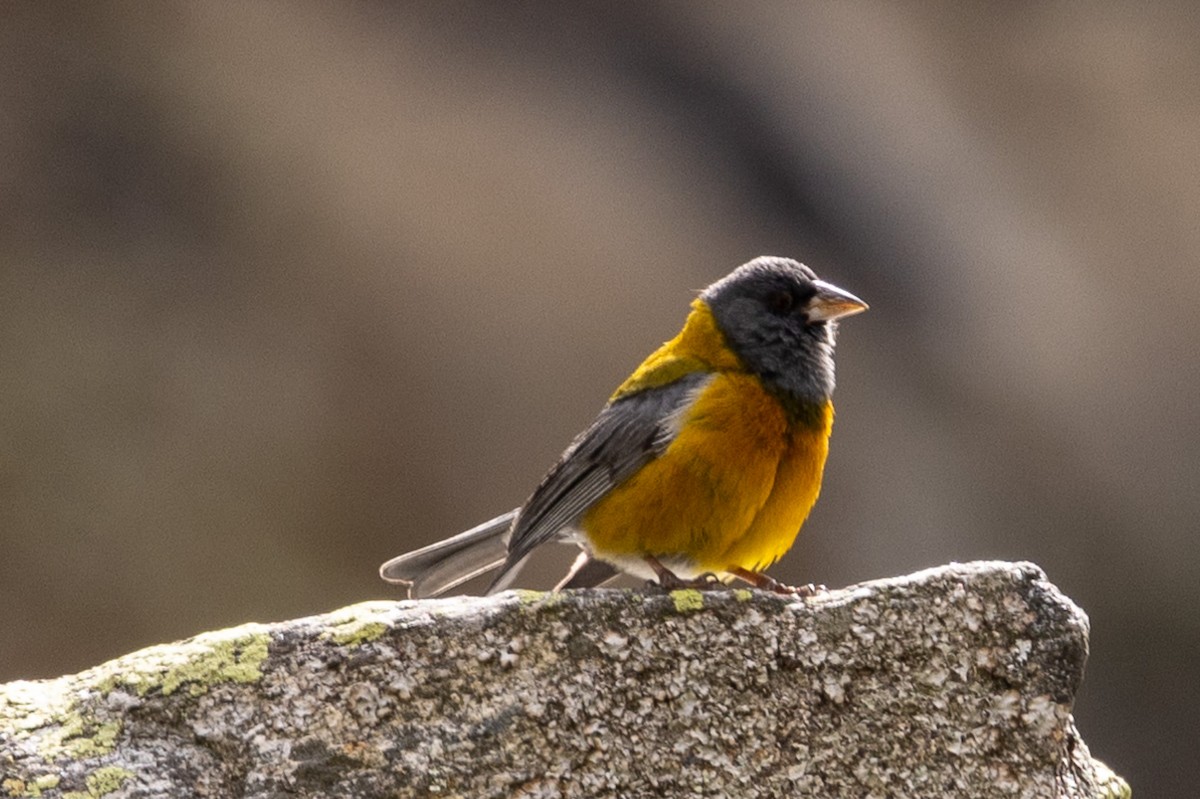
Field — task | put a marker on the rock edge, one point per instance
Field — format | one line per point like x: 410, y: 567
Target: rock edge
x: 957, y: 680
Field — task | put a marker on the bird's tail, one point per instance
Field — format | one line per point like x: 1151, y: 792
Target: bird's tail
x: 437, y: 568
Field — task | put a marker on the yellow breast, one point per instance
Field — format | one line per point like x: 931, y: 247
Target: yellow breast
x: 731, y: 490
x: 793, y: 494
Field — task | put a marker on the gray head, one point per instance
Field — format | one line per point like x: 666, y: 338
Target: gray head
x: 782, y: 320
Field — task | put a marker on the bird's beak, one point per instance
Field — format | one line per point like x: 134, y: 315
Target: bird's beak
x: 831, y: 302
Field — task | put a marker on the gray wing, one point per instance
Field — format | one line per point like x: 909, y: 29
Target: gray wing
x: 627, y: 434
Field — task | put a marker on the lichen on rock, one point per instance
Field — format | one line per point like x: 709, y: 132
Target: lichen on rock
x: 957, y: 680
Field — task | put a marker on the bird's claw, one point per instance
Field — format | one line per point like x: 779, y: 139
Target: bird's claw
x: 704, y: 582
x: 804, y: 591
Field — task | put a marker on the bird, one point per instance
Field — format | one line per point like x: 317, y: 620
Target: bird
x: 700, y: 468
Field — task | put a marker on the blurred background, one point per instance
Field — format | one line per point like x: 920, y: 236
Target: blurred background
x: 287, y: 289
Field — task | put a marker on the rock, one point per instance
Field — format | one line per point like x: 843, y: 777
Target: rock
x: 956, y: 681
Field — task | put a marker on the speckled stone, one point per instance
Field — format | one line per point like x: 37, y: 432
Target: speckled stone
x: 957, y: 681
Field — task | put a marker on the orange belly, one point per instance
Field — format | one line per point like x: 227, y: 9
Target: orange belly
x: 731, y: 490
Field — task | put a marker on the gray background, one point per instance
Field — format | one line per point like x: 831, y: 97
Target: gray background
x: 286, y: 289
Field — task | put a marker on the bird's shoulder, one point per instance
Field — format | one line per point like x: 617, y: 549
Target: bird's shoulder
x: 699, y: 348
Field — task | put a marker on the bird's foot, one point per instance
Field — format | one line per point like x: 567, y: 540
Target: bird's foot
x: 806, y: 590
x: 766, y: 583
x: 670, y: 581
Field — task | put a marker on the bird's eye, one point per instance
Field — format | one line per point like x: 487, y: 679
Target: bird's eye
x: 781, y: 301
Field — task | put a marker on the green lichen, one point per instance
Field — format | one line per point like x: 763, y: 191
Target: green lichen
x: 67, y: 727
x: 358, y: 624
x: 234, y: 655
x: 101, y: 782
x: 687, y: 600
x: 47, y: 709
x: 43, y: 783
x: 22, y: 789
x: 743, y: 594
x: 355, y: 634
x: 80, y: 738
x: 229, y: 661
x: 528, y: 597
x: 27, y: 705
x: 1112, y: 786
x: 107, y: 779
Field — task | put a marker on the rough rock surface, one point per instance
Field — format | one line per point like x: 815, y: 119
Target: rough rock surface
x: 957, y: 681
